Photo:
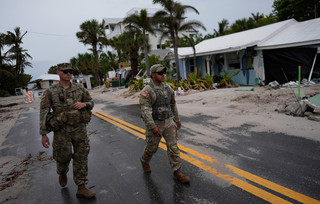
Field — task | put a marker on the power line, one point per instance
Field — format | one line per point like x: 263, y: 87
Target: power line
x: 40, y: 33
x: 50, y: 34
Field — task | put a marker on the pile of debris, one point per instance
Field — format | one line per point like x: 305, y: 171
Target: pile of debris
x: 304, y: 105
x: 291, y: 84
x: 309, y: 107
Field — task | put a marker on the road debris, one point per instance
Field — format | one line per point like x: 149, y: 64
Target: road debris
x: 8, y: 176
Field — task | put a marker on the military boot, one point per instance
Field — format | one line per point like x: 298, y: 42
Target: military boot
x: 63, y: 180
x: 145, y: 166
x: 178, y: 175
x: 83, y: 192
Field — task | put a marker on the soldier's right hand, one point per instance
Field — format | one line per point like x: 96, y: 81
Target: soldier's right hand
x: 45, y: 141
x: 156, y: 132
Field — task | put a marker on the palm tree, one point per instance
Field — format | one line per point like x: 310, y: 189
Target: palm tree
x: 172, y: 19
x: 132, y: 44
x: 6, y: 70
x: 256, y: 17
x: 108, y: 62
x: 85, y: 63
x: 223, y: 28
x: 193, y: 45
x: 2, y: 44
x: 103, y: 42
x: 90, y: 33
x: 241, y: 25
x: 266, y: 20
x: 118, y: 44
x: 144, y: 23
x: 16, y: 52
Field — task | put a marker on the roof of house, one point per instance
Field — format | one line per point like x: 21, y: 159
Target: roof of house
x: 237, y: 41
x: 112, y: 21
x: 163, y: 54
x: 301, y: 33
x: 45, y: 77
x: 150, y: 11
x: 287, y: 33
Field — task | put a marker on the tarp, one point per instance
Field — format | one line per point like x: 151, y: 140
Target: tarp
x: 315, y: 100
x: 245, y: 88
x: 288, y: 60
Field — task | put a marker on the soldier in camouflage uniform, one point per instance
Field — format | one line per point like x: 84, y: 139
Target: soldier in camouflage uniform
x: 160, y: 114
x: 65, y: 109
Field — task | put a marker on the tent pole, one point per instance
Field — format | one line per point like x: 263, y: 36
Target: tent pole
x: 299, y: 78
x: 314, y: 61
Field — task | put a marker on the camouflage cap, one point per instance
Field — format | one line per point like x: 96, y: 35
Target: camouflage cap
x: 64, y: 66
x: 157, y: 68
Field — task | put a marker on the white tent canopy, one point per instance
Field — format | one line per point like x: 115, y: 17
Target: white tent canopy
x: 289, y: 33
x: 237, y: 41
x: 45, y: 77
x: 298, y: 34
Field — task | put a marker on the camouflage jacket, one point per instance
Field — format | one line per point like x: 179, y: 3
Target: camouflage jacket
x: 57, y: 99
x: 148, y: 98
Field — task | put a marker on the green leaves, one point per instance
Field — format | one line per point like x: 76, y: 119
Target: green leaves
x: 193, y: 81
x: 300, y: 10
x: 226, y: 79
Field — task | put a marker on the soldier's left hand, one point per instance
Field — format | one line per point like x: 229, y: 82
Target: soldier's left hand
x: 178, y: 125
x: 156, y: 132
x: 79, y: 105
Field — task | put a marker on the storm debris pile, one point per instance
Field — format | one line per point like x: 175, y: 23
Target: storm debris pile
x: 309, y: 107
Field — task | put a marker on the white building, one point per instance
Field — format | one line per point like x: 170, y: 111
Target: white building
x: 115, y: 27
x: 47, y: 80
x: 265, y: 54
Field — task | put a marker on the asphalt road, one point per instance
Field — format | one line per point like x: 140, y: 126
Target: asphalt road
x: 286, y: 170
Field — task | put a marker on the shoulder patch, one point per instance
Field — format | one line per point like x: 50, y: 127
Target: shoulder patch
x: 43, y: 96
x: 143, y: 93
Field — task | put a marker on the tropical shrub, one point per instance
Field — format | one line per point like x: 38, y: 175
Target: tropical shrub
x: 137, y: 85
x: 107, y: 84
x: 4, y: 93
x: 227, y: 79
x: 193, y: 81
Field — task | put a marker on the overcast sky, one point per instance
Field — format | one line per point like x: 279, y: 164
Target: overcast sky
x: 52, y: 24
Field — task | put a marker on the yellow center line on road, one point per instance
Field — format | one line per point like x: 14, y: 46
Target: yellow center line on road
x: 123, y: 122
x: 233, y: 180
x: 273, y: 186
x: 142, y: 136
x: 186, y: 149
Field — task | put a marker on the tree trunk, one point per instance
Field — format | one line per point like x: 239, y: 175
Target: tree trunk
x: 146, y: 57
x: 194, y: 58
x: 97, y: 73
x: 96, y: 77
x: 134, y: 61
x: 176, y: 59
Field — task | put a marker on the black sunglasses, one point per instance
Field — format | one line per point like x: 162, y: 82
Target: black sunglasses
x: 67, y: 71
x: 161, y: 73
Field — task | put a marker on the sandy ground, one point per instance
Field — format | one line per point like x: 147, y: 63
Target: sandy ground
x: 261, y: 108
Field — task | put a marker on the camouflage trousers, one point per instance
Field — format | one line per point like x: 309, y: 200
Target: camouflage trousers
x: 63, y: 143
x: 169, y: 133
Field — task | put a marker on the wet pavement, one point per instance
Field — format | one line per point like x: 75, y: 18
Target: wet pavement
x: 116, y: 176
